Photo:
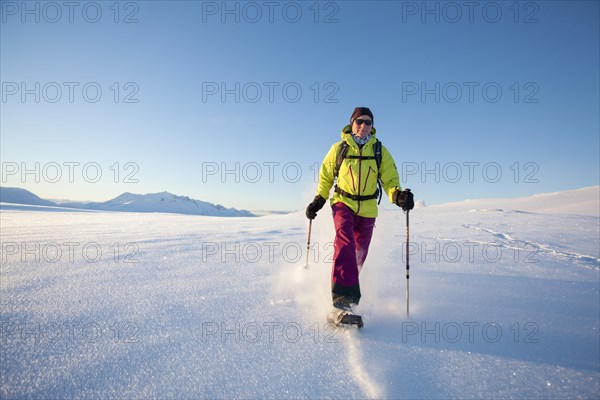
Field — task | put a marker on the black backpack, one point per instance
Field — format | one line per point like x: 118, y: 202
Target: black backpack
x: 342, y: 153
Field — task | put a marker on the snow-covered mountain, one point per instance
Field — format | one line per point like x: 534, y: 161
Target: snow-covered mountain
x: 163, y: 202
x: 420, y: 204
x: 21, y: 196
x: 584, y: 201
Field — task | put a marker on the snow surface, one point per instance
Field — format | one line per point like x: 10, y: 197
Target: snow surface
x: 504, y: 303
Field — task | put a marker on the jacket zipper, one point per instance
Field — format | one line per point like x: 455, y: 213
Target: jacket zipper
x: 359, y: 170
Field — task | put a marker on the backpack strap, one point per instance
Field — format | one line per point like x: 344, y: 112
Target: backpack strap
x: 378, y: 157
x: 356, y: 197
x: 377, y: 152
x: 339, y: 158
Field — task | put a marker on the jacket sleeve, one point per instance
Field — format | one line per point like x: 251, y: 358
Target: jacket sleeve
x: 326, y: 173
x: 389, y: 174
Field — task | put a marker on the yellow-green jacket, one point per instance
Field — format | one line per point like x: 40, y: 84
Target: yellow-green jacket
x: 358, y: 176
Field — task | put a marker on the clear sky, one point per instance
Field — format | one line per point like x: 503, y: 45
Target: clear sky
x: 237, y: 102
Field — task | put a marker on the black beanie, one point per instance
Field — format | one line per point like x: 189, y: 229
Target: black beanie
x: 358, y: 111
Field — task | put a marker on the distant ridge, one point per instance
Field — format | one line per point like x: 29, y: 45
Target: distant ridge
x: 163, y: 202
x: 22, y: 196
x: 584, y: 201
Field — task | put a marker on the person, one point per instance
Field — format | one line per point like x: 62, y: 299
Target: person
x: 354, y: 201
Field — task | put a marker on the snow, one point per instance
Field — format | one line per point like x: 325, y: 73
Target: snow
x: 163, y: 202
x: 504, y: 303
x: 21, y: 196
x: 584, y: 201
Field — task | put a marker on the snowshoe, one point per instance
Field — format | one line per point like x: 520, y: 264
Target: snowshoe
x: 342, y: 314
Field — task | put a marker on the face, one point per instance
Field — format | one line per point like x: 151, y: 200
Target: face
x: 362, y: 130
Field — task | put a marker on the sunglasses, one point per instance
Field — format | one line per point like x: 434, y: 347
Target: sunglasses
x: 363, y: 121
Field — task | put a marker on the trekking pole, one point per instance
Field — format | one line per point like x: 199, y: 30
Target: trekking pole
x: 308, y: 243
x: 407, y: 265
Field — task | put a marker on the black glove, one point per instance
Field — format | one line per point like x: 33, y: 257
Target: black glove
x: 404, y: 199
x: 316, y: 205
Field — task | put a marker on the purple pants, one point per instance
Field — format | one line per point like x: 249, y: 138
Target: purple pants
x: 352, y: 238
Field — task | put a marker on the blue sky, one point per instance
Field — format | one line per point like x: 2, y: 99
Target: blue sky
x: 237, y: 102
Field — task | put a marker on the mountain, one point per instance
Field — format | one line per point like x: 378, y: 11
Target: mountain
x: 163, y: 202
x: 22, y: 196
x: 420, y: 204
